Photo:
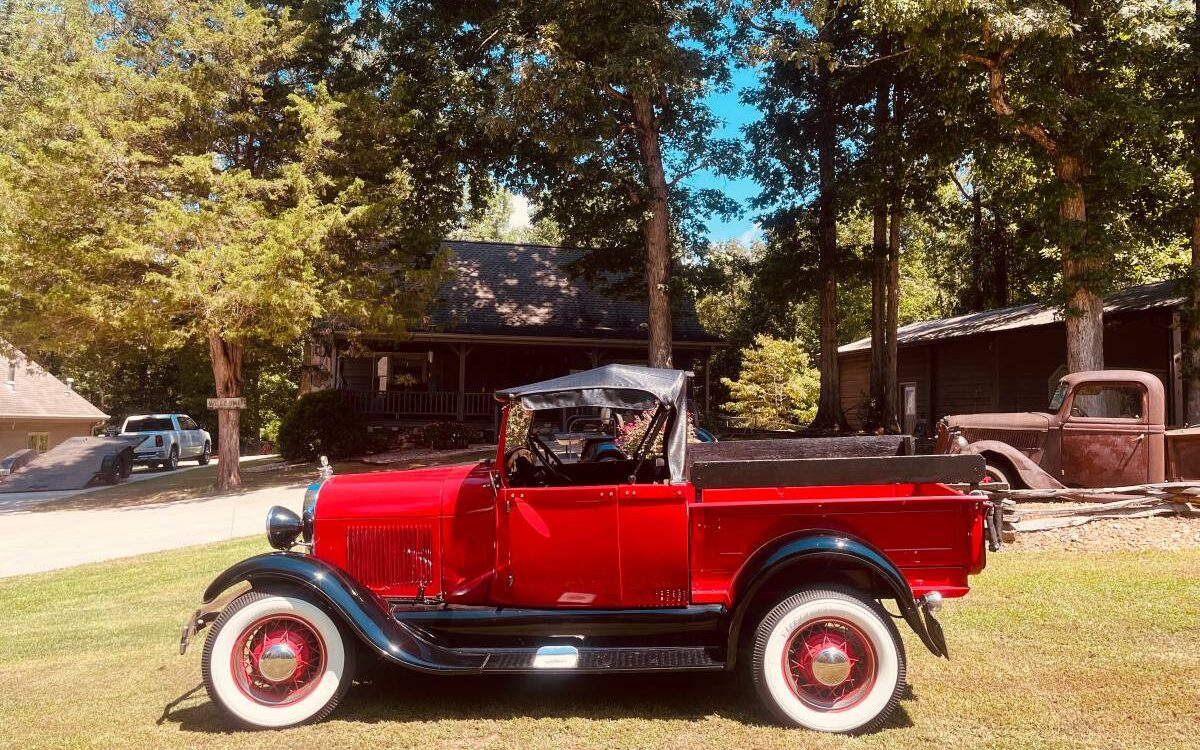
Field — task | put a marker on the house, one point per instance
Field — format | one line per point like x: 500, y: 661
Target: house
x: 37, y: 410
x: 509, y: 314
x: 1011, y: 359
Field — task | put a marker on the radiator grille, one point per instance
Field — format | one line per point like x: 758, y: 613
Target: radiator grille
x: 1024, y: 440
x: 393, y: 555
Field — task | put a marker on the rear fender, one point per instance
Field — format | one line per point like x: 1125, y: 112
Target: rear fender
x: 359, y: 608
x: 1034, y: 476
x: 802, y: 558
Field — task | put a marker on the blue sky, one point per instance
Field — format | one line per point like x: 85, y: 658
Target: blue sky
x: 735, y: 114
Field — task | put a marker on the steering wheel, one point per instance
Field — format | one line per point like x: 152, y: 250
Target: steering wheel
x: 552, y: 463
x: 520, y: 469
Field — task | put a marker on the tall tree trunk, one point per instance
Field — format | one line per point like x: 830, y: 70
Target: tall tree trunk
x: 656, y: 232
x: 879, y: 250
x: 879, y: 275
x: 227, y: 373
x: 979, y: 254
x: 1193, y: 330
x: 999, y: 252
x: 1085, y: 308
x: 891, y: 394
x: 829, y: 403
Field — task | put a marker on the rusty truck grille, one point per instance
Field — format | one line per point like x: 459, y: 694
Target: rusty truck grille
x: 393, y: 555
x: 1022, y: 440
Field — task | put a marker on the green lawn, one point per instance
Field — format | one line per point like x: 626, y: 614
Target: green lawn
x: 1050, y: 651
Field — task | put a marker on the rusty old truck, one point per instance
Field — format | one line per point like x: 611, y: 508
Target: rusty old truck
x: 1102, y: 429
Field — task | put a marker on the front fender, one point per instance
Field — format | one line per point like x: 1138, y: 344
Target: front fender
x: 361, y: 609
x: 793, y: 552
x: 1034, y: 476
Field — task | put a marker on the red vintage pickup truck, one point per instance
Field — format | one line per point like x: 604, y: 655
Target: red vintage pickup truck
x: 537, y: 562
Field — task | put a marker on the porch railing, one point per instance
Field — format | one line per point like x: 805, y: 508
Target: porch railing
x: 399, y: 404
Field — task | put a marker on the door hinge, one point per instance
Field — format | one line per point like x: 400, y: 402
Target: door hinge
x: 510, y: 579
x: 508, y: 506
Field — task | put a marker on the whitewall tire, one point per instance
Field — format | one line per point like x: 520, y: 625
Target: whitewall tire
x: 830, y: 660
x: 273, y: 661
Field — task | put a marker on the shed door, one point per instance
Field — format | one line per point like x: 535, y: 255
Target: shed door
x: 1105, y: 441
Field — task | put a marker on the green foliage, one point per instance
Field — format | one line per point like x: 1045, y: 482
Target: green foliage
x: 493, y: 222
x: 777, y: 388
x: 319, y: 424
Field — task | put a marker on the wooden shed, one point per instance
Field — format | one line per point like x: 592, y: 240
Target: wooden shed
x: 1010, y: 359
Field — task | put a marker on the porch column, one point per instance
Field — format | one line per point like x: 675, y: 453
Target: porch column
x: 461, y: 350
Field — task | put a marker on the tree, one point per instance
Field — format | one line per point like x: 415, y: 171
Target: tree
x: 201, y: 155
x: 603, y: 108
x: 1066, y: 77
x: 777, y: 388
x: 799, y: 148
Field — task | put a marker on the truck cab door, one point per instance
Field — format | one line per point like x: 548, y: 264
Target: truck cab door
x: 653, y: 523
x: 1105, y: 436
x: 558, y: 547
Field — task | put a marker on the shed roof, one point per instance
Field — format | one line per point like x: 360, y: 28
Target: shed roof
x: 525, y: 290
x: 36, y: 394
x: 1145, y: 297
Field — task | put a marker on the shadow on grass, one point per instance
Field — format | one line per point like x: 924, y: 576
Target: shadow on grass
x: 404, y: 697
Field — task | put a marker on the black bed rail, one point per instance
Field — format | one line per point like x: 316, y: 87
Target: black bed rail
x: 813, y: 472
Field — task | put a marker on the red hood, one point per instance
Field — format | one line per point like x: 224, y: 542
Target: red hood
x: 388, y: 494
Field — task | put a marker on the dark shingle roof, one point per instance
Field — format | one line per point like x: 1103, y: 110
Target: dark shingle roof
x: 1144, y: 297
x: 524, y: 290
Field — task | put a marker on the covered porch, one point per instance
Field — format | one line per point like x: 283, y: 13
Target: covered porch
x: 443, y: 377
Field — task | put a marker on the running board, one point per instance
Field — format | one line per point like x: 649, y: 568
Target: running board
x: 559, y: 658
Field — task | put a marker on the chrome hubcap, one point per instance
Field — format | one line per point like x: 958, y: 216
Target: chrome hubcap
x: 277, y: 663
x: 831, y: 666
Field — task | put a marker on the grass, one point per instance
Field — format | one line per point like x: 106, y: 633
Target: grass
x: 1050, y: 650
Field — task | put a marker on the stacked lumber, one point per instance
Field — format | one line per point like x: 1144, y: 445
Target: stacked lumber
x: 1139, y: 501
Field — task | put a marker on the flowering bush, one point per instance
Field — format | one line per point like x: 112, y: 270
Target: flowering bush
x: 517, y: 428
x: 633, y: 432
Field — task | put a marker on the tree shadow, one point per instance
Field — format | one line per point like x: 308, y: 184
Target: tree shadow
x: 399, y: 696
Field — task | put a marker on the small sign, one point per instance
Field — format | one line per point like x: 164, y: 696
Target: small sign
x: 227, y: 403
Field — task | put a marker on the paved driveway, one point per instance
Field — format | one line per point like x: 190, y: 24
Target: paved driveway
x: 33, y: 542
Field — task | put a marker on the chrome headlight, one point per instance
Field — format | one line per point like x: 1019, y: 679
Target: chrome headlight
x: 309, y: 511
x: 283, y: 526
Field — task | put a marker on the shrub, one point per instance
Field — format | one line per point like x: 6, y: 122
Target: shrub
x: 777, y: 388
x: 633, y: 433
x: 444, y: 435
x: 321, y: 424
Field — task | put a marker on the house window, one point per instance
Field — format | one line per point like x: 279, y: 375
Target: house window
x: 12, y: 376
x: 908, y: 407
x: 402, y: 371
x: 39, y: 441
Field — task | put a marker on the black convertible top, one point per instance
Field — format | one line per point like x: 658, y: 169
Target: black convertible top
x: 618, y: 387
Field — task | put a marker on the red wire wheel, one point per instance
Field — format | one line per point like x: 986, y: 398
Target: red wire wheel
x: 278, y: 660
x: 830, y: 664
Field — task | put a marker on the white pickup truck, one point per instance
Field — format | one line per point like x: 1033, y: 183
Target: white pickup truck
x: 169, y: 438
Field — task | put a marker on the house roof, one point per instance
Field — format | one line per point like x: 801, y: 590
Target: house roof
x: 36, y: 394
x: 525, y: 290
x: 1144, y: 297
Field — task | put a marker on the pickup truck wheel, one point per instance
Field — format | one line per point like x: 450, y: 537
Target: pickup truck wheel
x: 172, y: 462
x: 830, y: 660
x: 274, y: 661
x: 204, y: 455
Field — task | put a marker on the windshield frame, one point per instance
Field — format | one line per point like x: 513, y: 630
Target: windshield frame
x: 1059, y: 397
